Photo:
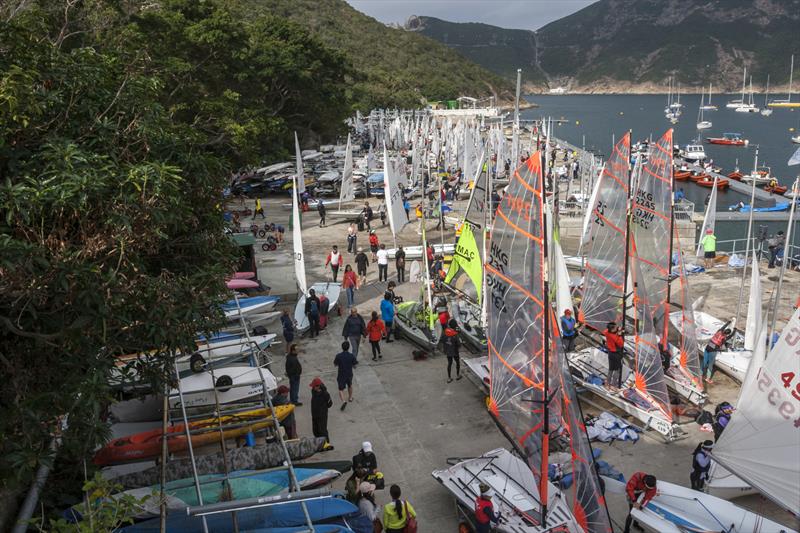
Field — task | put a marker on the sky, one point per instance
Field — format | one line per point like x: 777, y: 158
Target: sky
x: 518, y: 14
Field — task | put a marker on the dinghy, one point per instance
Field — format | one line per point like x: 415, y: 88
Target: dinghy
x: 414, y: 326
x: 234, y: 309
x: 232, y: 384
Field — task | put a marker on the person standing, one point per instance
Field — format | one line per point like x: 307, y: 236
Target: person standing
x: 775, y: 246
x: 376, y: 330
x: 387, y: 314
x: 373, y: 244
x: 352, y: 238
x: 390, y: 287
x: 484, y: 510
x: 293, y: 371
x: 334, y: 259
x: 569, y: 331
x: 615, y: 345
x: 701, y: 464
x: 721, y: 418
x: 321, y: 210
x: 288, y: 424
x: 354, y: 328
x: 709, y: 244
x: 640, y: 489
x: 258, y: 210
x: 406, y: 208
x: 367, y: 506
x: 382, y: 212
x: 287, y: 322
x: 344, y: 363
x: 715, y: 344
x: 320, y: 403
x: 362, y: 261
x: 383, y: 263
x: 397, y: 513
x: 451, y: 347
x: 312, y: 312
x: 400, y: 264
x: 350, y: 284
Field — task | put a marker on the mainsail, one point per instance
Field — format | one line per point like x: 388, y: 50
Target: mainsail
x: 347, y: 190
x: 689, y: 366
x: 297, y: 243
x: 393, y: 191
x: 761, y: 442
x: 753, y: 308
x: 651, y: 225
x: 604, y: 282
x: 517, y: 334
x: 300, y: 182
x: 563, y: 296
x: 710, y: 219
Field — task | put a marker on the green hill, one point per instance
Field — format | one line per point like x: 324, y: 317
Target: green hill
x: 639, y: 43
x: 394, y: 67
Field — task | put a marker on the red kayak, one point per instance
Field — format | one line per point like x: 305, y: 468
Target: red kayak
x: 721, y: 183
x: 736, y: 175
x: 776, y: 189
x: 681, y: 175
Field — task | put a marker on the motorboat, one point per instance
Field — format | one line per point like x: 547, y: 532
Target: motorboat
x: 729, y: 139
x: 694, y: 152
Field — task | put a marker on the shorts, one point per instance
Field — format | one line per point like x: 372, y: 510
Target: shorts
x: 362, y: 271
x: 373, y: 248
x: 710, y: 255
x: 288, y: 336
x: 344, y: 382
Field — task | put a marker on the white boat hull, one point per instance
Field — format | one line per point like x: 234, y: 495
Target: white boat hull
x: 734, y: 363
x: 330, y: 290
x: 248, y: 310
x: 723, y: 484
x: 479, y: 366
x: 198, y: 388
x: 415, y: 252
x: 231, y: 347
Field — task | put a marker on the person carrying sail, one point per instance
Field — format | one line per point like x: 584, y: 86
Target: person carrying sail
x: 614, y: 345
x: 701, y: 464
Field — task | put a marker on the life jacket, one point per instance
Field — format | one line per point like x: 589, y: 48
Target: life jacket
x: 695, y: 465
x: 718, y: 339
x: 483, y: 510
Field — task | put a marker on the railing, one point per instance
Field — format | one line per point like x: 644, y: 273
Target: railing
x: 683, y: 209
x: 738, y: 246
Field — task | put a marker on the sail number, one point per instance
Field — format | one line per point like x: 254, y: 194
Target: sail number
x: 599, y: 211
x: 498, y: 260
x: 786, y: 409
x: 644, y: 214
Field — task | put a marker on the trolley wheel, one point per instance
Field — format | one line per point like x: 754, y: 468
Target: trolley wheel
x: 265, y: 247
x: 262, y: 233
x: 272, y: 247
x: 271, y: 227
x: 463, y: 527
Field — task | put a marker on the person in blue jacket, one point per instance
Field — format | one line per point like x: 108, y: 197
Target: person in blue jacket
x: 387, y: 314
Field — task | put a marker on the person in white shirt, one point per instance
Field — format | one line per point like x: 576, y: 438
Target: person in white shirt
x: 383, y: 263
x: 335, y: 260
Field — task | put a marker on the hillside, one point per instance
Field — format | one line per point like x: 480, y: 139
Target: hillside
x: 394, y: 67
x: 637, y: 44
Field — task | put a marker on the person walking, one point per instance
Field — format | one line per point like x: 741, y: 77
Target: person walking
x: 615, y: 345
x: 484, y: 510
x: 640, y: 489
x: 775, y: 246
x: 397, y: 513
x: 451, y: 347
x: 406, y: 208
x: 350, y: 284
x: 312, y: 310
x: 344, y: 363
x: 293, y: 370
x: 382, y: 212
x: 400, y: 264
x: 390, y: 287
x: 334, y: 259
x: 701, y: 464
x: 367, y: 215
x: 373, y: 244
x: 383, y: 263
x: 387, y: 314
x: 376, y: 330
x: 569, y: 331
x: 354, y: 328
x: 709, y: 244
x: 322, y: 211
x: 288, y: 424
x: 320, y: 403
x: 287, y: 323
x: 367, y: 506
x: 352, y: 238
x: 362, y: 261
x: 258, y: 210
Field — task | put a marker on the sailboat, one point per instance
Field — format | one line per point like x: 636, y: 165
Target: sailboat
x: 708, y: 106
x: 766, y: 111
x: 329, y: 290
x: 788, y: 101
x: 749, y: 106
x: 532, y: 393
x: 736, y: 104
x: 703, y: 124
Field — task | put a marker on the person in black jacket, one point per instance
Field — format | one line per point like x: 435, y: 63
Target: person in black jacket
x: 321, y: 211
x: 701, y: 464
x: 354, y: 329
x: 293, y: 371
x: 365, y: 459
x: 282, y: 398
x: 320, y: 403
x: 312, y: 312
x: 400, y: 263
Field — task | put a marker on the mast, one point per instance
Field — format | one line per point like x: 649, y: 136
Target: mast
x: 749, y: 236
x: 516, y: 98
x: 664, y: 340
x: 626, y: 268
x: 546, y: 374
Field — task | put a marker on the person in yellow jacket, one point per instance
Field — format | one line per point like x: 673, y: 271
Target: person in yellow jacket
x: 397, y: 512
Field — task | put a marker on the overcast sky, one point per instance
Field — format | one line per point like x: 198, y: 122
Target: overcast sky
x: 522, y: 14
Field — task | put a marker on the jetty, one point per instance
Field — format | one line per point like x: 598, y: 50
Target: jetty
x: 739, y: 186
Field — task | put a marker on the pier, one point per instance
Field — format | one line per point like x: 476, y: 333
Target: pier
x: 739, y: 186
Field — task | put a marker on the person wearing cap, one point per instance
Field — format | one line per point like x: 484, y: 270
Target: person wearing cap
x: 320, y: 403
x: 344, y: 362
x: 484, y: 510
x: 701, y: 464
x: 722, y: 416
x: 640, y: 489
x: 365, y: 459
x: 615, y: 345
x: 387, y: 314
x: 569, y: 331
x: 367, y: 505
x: 362, y: 261
x: 709, y: 243
x: 288, y: 424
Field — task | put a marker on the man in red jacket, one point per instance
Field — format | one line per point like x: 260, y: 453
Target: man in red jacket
x: 484, y: 510
x: 640, y: 489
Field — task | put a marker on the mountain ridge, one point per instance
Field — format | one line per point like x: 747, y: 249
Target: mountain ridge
x: 635, y: 45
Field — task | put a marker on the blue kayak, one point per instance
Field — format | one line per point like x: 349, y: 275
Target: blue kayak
x: 783, y: 206
x: 244, y: 303
x: 285, y: 518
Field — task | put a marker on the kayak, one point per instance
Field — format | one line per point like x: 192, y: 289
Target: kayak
x: 147, y: 444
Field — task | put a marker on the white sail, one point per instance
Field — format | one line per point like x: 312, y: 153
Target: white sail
x: 347, y: 191
x: 753, y: 308
x: 563, y: 296
x: 393, y: 191
x: 710, y: 219
x: 587, y: 216
x: 761, y: 442
x: 300, y: 182
x: 297, y: 243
